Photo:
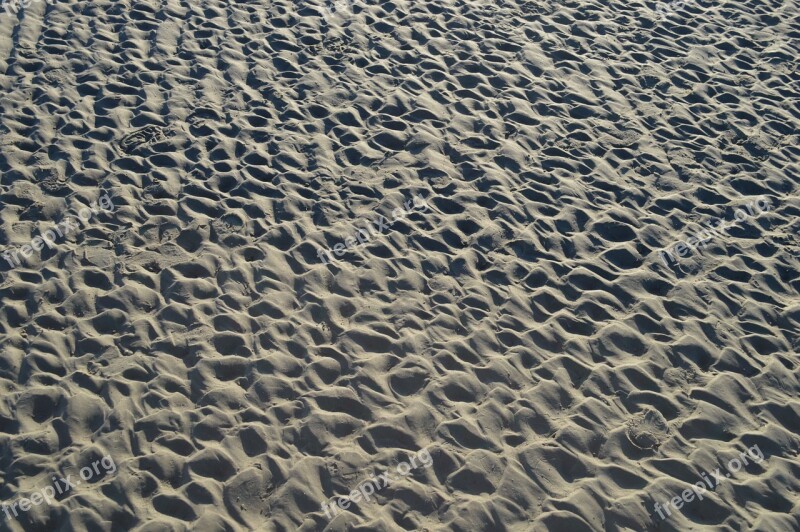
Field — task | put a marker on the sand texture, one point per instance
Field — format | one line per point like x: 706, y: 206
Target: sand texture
x: 513, y: 316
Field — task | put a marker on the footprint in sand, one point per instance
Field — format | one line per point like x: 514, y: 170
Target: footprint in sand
x: 647, y: 430
x: 141, y: 138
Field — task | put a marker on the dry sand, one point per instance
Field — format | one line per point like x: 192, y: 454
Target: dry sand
x: 523, y: 330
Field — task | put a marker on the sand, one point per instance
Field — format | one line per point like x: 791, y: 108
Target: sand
x: 523, y: 330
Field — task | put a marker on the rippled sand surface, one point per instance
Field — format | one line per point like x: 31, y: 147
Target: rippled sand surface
x: 522, y: 328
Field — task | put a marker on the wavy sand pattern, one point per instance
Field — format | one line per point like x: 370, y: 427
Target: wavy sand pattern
x: 524, y: 330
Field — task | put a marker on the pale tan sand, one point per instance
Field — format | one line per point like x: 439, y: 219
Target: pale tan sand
x: 524, y: 330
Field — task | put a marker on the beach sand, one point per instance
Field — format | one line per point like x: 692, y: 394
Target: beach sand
x: 522, y: 327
